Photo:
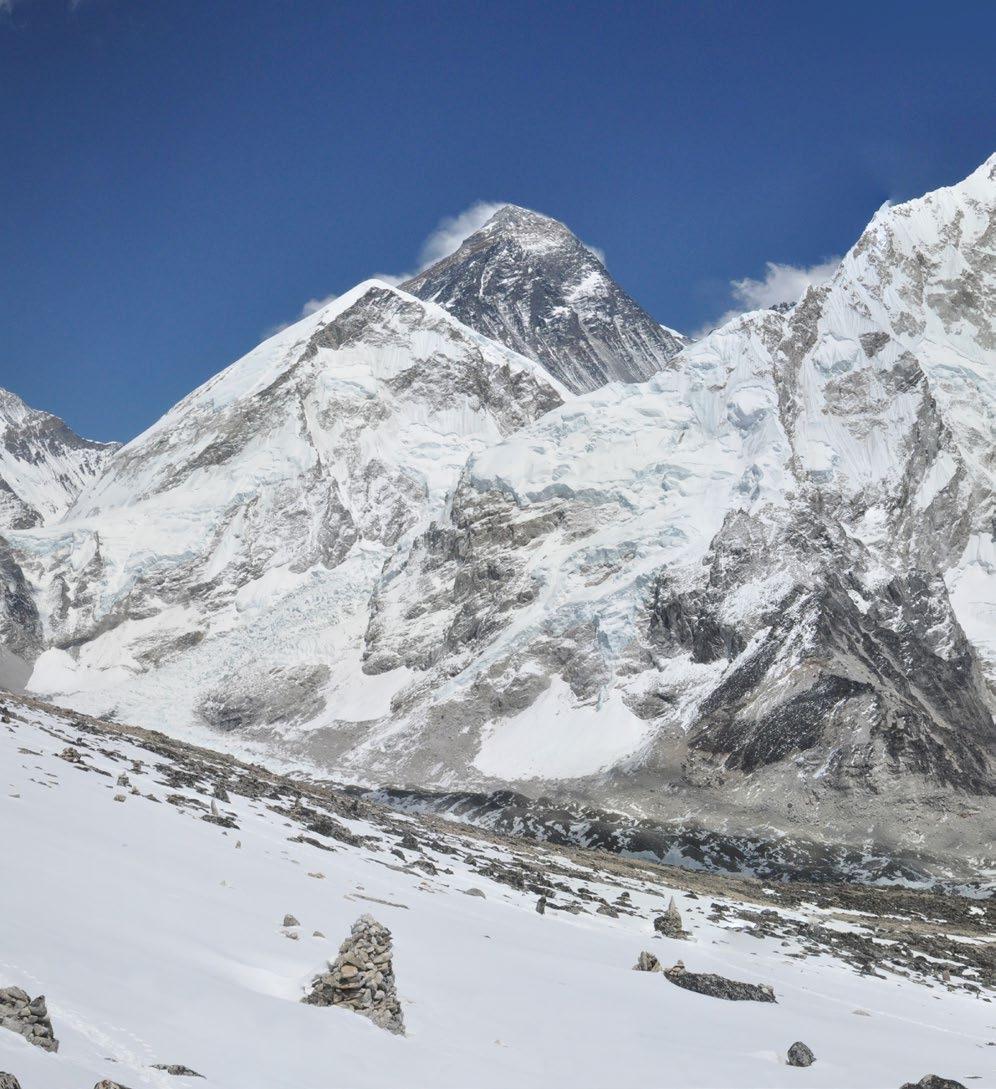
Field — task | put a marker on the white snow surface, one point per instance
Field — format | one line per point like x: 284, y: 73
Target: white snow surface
x: 156, y: 938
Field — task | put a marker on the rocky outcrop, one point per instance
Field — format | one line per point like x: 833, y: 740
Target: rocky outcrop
x: 934, y: 1081
x: 361, y: 978
x: 28, y: 1017
x: 716, y: 986
x: 647, y: 962
x: 176, y: 1070
x: 8, y: 1081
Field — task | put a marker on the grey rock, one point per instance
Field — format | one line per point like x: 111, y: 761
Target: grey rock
x: 8, y: 1081
x: 474, y: 892
x: 177, y: 1070
x: 800, y: 1055
x: 934, y: 1081
x: 289, y: 920
x: 716, y: 986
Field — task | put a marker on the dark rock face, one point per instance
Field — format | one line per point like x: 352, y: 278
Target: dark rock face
x: 28, y: 1017
x: 362, y: 977
x: 800, y: 1055
x: 524, y: 280
x: 719, y: 986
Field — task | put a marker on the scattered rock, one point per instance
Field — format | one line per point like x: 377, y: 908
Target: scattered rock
x: 719, y: 986
x: 669, y: 924
x: 105, y: 1084
x: 317, y: 934
x: 541, y: 905
x: 474, y: 892
x: 119, y: 797
x: 934, y: 1081
x: 408, y: 842
x: 800, y: 1055
x: 123, y: 780
x: 607, y: 909
x: 177, y: 1070
x: 361, y: 978
x: 28, y: 1017
x: 289, y: 920
x: 647, y: 962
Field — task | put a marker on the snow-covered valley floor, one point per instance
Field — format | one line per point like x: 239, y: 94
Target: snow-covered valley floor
x: 153, y: 926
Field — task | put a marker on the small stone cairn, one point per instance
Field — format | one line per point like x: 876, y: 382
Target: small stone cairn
x: 361, y: 978
x: 669, y: 924
x: 28, y: 1017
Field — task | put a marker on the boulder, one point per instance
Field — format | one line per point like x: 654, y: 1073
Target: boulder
x: 361, y: 978
x: 934, y: 1081
x: 289, y: 920
x: 800, y: 1055
x: 178, y: 1070
x: 8, y: 1081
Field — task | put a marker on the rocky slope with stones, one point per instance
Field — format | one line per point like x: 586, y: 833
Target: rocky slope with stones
x: 210, y: 852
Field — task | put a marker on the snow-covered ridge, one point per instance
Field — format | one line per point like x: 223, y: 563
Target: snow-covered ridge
x: 222, y: 563
x: 43, y: 464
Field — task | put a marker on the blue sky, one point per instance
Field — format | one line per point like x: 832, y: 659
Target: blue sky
x: 181, y: 176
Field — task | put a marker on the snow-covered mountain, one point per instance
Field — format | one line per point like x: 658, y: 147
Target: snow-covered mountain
x: 760, y: 586
x: 43, y: 464
x: 756, y: 590
x: 223, y: 563
x: 524, y: 280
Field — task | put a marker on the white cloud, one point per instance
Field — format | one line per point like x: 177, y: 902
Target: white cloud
x: 781, y: 284
x: 313, y: 305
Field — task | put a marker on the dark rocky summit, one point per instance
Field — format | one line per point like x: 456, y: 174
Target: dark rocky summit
x: 524, y: 280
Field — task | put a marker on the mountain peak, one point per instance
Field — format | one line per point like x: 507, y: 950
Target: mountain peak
x: 525, y: 280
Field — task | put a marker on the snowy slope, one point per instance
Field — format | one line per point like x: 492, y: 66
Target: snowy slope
x: 156, y: 937
x: 222, y: 564
x: 43, y: 464
x: 526, y: 281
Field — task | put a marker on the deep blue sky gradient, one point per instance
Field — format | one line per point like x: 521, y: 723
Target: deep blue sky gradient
x: 178, y: 176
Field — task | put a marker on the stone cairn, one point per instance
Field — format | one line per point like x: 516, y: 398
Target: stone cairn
x: 669, y: 924
x: 28, y: 1017
x: 361, y: 978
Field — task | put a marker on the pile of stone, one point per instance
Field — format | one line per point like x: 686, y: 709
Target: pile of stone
x: 28, y: 1017
x: 719, y: 986
x: 361, y: 978
x: 647, y: 962
x: 669, y: 924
